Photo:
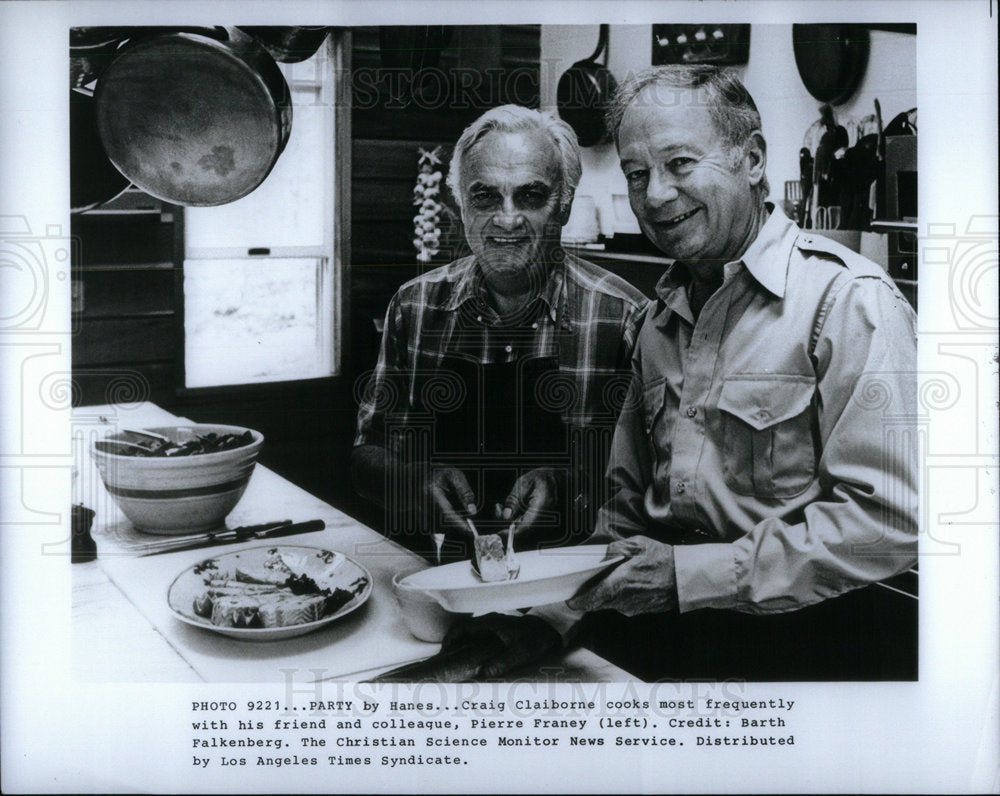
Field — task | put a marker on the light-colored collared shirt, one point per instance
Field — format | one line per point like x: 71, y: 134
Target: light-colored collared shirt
x: 776, y: 431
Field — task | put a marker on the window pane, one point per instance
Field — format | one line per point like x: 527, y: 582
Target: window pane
x: 291, y: 207
x: 248, y: 321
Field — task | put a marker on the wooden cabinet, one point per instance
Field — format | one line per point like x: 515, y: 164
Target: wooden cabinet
x: 126, y: 268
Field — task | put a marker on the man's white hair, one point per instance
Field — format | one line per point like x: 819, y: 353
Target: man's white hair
x: 516, y: 118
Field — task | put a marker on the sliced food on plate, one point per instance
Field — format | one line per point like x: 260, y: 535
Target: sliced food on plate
x: 269, y: 588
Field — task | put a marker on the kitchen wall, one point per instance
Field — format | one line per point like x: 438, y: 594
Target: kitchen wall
x: 786, y: 108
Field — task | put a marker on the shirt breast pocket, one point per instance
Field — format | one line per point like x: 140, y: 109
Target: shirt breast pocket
x: 768, y: 435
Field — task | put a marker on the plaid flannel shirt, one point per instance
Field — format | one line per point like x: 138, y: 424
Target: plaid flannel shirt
x: 583, y: 316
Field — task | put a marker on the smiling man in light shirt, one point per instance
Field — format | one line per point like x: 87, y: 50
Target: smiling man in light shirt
x: 764, y: 470
x: 496, y: 374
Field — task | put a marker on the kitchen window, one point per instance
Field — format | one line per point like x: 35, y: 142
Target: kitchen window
x: 262, y: 276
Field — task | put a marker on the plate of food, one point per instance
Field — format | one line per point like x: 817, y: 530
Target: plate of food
x: 269, y: 593
x: 538, y: 577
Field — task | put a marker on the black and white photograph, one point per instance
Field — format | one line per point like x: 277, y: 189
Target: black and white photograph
x: 436, y: 393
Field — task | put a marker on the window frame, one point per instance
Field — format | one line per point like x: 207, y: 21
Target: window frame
x: 336, y: 247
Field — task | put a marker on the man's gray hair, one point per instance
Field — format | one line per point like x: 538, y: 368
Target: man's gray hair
x: 730, y: 105
x: 516, y: 118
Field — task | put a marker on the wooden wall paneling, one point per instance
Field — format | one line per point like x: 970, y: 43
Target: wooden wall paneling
x: 374, y: 158
x: 520, y: 46
x: 120, y: 293
x: 124, y: 383
x: 483, y: 66
x: 124, y: 327
x: 107, y: 341
x: 122, y: 239
x: 384, y: 198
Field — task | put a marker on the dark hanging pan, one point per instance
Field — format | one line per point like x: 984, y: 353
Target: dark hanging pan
x: 583, y: 94
x: 192, y: 118
x: 831, y: 59
x: 289, y: 45
x: 91, y: 51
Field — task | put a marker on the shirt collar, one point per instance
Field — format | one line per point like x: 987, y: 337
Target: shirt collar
x: 767, y: 257
x: 766, y: 260
x: 469, y: 287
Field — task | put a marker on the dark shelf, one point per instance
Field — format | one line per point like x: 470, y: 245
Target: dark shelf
x: 103, y: 211
x: 161, y: 266
x: 102, y: 316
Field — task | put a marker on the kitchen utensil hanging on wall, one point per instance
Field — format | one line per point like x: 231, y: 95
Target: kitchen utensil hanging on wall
x: 91, y: 51
x: 904, y: 123
x: 806, y: 181
x: 879, y: 210
x: 195, y: 119
x: 289, y: 45
x: 583, y: 94
x: 828, y: 168
x: 722, y: 45
x: 861, y: 168
x: 93, y: 178
x: 831, y: 59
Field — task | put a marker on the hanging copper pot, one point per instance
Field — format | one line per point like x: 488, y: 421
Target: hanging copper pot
x: 192, y: 118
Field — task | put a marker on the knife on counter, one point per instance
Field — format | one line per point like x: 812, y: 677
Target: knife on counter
x: 243, y: 534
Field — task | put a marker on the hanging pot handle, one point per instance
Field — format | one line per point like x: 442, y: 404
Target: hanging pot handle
x: 602, y: 45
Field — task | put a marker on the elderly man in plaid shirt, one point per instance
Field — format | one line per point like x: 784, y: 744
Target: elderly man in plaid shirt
x: 500, y: 375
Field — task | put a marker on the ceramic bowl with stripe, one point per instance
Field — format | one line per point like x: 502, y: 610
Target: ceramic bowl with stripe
x: 177, y: 494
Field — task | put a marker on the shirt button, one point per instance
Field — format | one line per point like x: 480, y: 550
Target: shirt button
x: 681, y: 486
x: 479, y: 318
x: 534, y: 325
x: 691, y: 412
x: 508, y: 348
